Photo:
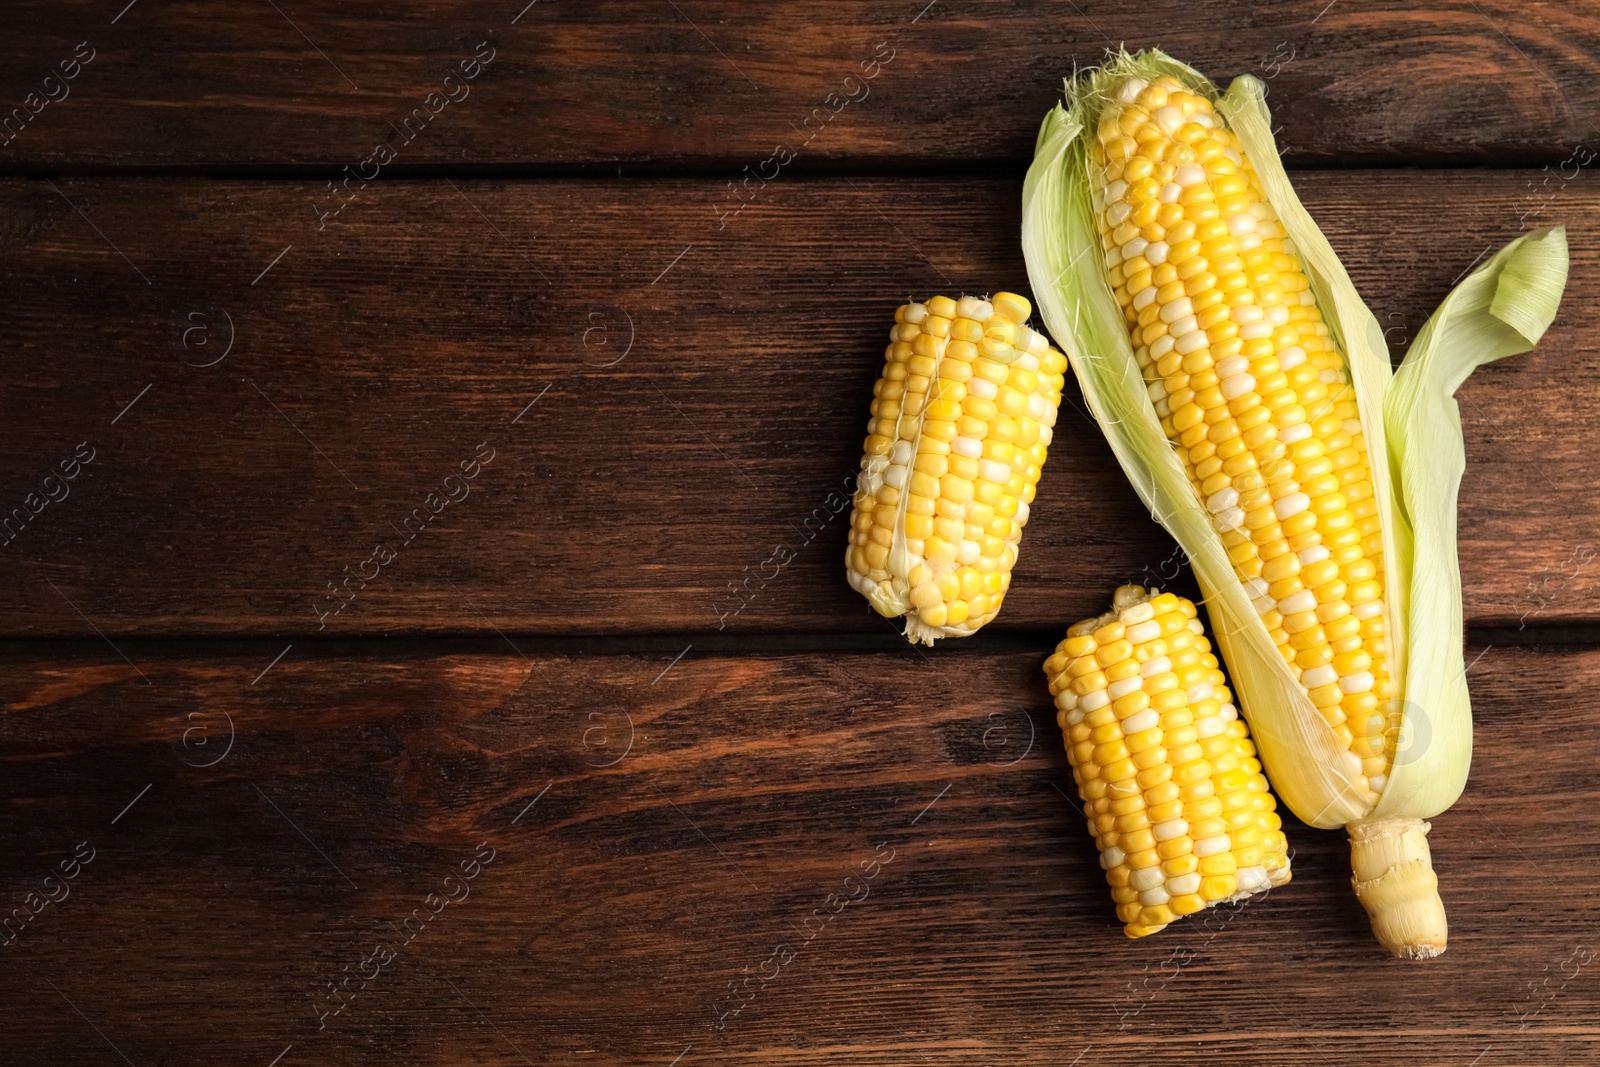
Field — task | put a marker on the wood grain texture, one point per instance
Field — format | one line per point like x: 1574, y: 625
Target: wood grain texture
x: 664, y: 402
x: 718, y: 82
x: 686, y: 823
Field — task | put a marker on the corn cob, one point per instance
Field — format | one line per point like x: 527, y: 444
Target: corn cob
x: 1255, y: 397
x: 1174, y: 795
x: 961, y: 419
x: 1247, y: 392
x: 1258, y: 402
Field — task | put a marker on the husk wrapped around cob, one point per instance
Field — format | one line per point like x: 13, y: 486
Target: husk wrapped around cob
x: 1247, y: 392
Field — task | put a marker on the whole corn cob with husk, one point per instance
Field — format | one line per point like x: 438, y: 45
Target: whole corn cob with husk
x: 1174, y: 795
x: 1248, y: 394
x: 961, y: 419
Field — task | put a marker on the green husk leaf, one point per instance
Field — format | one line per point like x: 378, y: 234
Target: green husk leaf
x: 1500, y: 310
x: 1067, y: 271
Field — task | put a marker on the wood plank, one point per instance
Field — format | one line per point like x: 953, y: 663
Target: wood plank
x: 657, y: 836
x: 718, y: 83
x: 665, y: 402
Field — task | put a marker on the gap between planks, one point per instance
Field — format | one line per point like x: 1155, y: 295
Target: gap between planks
x: 717, y: 169
x: 1562, y: 638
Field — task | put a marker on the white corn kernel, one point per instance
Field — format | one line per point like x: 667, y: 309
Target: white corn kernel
x: 1170, y: 118
x: 994, y: 471
x: 1138, y: 613
x: 1123, y: 686
x: 1141, y: 720
x: 1181, y: 308
x: 1251, y: 879
x: 1295, y: 603
x: 1146, y: 878
x: 1223, y: 499
x: 1151, y: 668
x: 1236, y: 386
x: 1290, y: 505
x: 1361, y: 682
x: 1314, y: 677
x: 1144, y: 631
x: 1184, y: 883
x: 1166, y: 831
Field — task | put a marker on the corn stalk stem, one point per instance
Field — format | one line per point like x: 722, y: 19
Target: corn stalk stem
x: 1394, y: 880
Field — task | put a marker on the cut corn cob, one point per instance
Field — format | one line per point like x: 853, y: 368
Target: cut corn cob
x: 1174, y: 795
x: 1241, y: 381
x: 961, y: 419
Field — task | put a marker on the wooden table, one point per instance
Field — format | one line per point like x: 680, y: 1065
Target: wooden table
x: 376, y: 674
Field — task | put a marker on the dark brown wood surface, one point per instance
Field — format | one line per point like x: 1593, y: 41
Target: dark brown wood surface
x: 700, y: 398
x: 688, y: 818
x: 720, y: 83
x: 239, y: 380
